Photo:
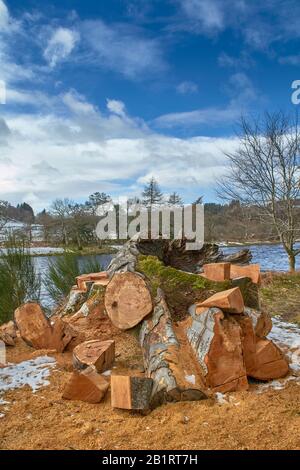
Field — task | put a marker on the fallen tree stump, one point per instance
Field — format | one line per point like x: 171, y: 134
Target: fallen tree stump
x: 163, y: 355
x: 217, y: 271
x: 217, y: 343
x: 87, y: 386
x: 100, y: 354
x: 131, y: 393
x: 173, y: 253
x: 230, y: 301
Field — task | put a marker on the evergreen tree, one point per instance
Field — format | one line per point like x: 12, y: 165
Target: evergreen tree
x: 152, y: 193
x: 96, y: 199
x: 175, y: 199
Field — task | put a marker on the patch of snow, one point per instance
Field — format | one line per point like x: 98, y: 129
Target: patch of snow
x: 3, y: 402
x: 276, y: 384
x: 2, y: 415
x: 107, y: 373
x: 191, y: 379
x: 33, y: 373
x: 221, y: 398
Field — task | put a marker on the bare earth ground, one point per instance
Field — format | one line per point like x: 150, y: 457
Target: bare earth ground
x: 42, y: 420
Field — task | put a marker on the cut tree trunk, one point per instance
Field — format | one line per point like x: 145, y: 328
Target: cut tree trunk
x: 217, y: 342
x: 168, y: 361
x: 131, y: 393
x: 261, y: 321
x: 128, y: 297
x: 100, y: 354
x: 87, y: 386
x: 174, y: 253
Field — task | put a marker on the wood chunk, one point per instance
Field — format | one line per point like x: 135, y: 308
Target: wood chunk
x: 230, y: 301
x: 100, y: 354
x: 131, y: 393
x: 261, y: 320
x: 127, y: 300
x: 8, y: 333
x: 84, y: 279
x: 33, y: 325
x: 252, y: 271
x: 217, y: 271
x: 217, y: 343
x: 87, y: 386
x: 263, y: 359
x: 36, y: 329
x: 168, y: 361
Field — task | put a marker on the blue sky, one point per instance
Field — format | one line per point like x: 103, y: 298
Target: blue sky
x: 100, y: 96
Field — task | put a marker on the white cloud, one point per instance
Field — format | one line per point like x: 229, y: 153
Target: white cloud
x: 60, y: 45
x: 116, y: 107
x: 74, y: 155
x: 187, y: 87
x: 208, y: 13
x: 4, y: 16
x: 122, y: 48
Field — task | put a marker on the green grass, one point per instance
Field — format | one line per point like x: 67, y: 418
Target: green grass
x: 63, y: 271
x: 19, y: 281
x: 280, y: 295
x: 181, y: 289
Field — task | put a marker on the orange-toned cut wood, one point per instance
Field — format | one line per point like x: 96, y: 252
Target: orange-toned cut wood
x: 88, y: 386
x: 251, y: 271
x: 131, y: 393
x: 84, y: 279
x: 127, y: 300
x: 217, y: 271
x: 8, y: 333
x: 100, y: 354
x: 230, y: 301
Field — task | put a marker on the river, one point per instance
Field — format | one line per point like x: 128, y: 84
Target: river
x: 270, y: 257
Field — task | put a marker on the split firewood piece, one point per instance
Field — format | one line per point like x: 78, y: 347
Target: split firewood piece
x: 217, y: 343
x: 34, y: 327
x: 85, y: 279
x: 251, y: 271
x: 217, y: 271
x: 230, y: 301
x: 37, y: 331
x: 165, y: 359
x: 8, y: 333
x: 261, y: 320
x: 87, y: 386
x: 127, y: 300
x: 263, y: 359
x: 131, y: 393
x: 100, y: 354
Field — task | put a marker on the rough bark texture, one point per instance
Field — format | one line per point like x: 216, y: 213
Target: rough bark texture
x: 131, y: 393
x: 174, y: 377
x: 217, y: 342
x: 100, y: 354
x: 174, y: 254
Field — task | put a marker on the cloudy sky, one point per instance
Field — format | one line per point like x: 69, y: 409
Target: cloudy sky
x: 100, y: 96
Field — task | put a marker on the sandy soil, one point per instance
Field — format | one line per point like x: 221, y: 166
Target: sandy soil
x: 42, y: 420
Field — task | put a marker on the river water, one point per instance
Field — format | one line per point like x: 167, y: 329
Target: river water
x: 270, y: 257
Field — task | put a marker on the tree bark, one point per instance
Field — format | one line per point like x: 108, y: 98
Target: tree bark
x: 168, y: 359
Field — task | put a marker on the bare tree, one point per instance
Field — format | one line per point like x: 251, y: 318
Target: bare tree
x: 4, y: 217
x: 60, y: 209
x: 264, y: 172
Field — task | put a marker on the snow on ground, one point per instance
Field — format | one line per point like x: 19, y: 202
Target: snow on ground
x: 33, y: 373
x: 287, y: 337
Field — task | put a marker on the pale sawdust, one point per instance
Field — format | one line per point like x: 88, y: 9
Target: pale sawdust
x: 43, y: 420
